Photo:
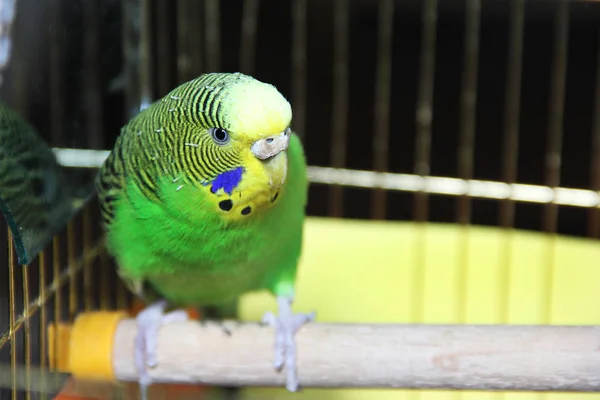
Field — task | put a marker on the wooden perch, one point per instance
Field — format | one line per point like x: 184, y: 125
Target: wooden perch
x: 539, y: 358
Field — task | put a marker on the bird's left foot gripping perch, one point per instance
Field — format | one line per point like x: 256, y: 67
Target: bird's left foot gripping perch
x: 149, y: 321
x: 286, y: 325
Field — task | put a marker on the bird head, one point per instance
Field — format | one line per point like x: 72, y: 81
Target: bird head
x: 233, y: 132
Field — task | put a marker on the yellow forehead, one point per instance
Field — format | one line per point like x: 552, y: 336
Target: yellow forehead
x: 257, y: 109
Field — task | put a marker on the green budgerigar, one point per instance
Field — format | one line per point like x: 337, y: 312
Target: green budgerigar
x: 203, y: 199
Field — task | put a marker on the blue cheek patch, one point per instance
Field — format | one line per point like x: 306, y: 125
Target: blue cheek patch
x: 227, y: 181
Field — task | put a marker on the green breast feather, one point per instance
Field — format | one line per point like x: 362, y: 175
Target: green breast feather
x: 190, y: 211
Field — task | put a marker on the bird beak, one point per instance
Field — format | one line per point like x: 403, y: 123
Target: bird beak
x: 268, y: 147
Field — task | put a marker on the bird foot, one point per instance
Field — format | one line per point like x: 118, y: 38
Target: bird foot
x: 286, y: 325
x: 149, y: 320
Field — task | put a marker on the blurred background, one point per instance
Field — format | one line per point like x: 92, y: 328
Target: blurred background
x: 496, y: 91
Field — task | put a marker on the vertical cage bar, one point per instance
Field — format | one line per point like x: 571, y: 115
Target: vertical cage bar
x: 189, y: 39
x: 213, y: 37
x: 104, y: 281
x: 184, y: 12
x: 91, y: 62
x: 145, y: 54
x: 383, y: 85
x: 340, y: 100
x: 121, y: 295
x: 184, y: 62
x: 21, y: 77
x: 299, y: 54
x: 43, y: 321
x: 73, y: 303
x: 594, y: 213
x: 13, y: 313
x: 137, y: 55
x: 424, y: 118
x: 512, y: 105
x: 556, y: 111
x: 131, y: 43
x: 164, y: 67
x: 424, y: 114
x: 56, y: 72
x: 26, y: 330
x: 57, y: 289
x: 88, y: 284
x: 57, y: 133
x: 466, y: 147
x: 248, y: 39
x: 55, y: 280
x: 554, y: 147
x: 468, y: 105
x: 94, y: 119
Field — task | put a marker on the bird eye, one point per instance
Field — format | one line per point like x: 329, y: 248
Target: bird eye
x: 219, y: 135
x: 288, y: 131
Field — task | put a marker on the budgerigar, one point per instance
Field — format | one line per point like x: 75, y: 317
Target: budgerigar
x: 203, y: 199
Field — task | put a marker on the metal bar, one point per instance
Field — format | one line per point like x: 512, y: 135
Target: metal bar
x: 554, y: 148
x: 424, y: 117
x: 122, y: 295
x: 383, y: 87
x: 91, y: 61
x: 43, y: 321
x: 454, y: 186
x: 340, y: 100
x: 137, y: 55
x: 184, y: 14
x: 73, y: 300
x: 145, y: 54
x: 164, y: 67
x: 88, y: 284
x: 594, y: 215
x: 131, y: 43
x: 248, y: 39
x: 556, y: 110
x: 512, y: 106
x: 466, y: 147
x: 94, y: 126
x: 104, y: 282
x: 58, y: 281
x: 189, y: 39
x: 213, y: 37
x: 58, y: 317
x: 299, y: 54
x: 121, y: 290
x: 510, y: 152
x: 421, y: 184
x: 21, y: 68
x: 27, y: 331
x: 56, y: 102
x: 196, y: 42
x: 13, y: 313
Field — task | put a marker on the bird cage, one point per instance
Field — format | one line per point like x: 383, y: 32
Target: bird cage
x: 453, y: 151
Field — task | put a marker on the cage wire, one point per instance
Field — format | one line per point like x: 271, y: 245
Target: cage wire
x: 470, y: 112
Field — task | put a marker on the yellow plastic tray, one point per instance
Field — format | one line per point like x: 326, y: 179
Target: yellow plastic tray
x: 438, y: 273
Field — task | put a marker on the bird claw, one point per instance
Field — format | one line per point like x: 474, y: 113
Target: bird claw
x: 149, y: 321
x: 286, y: 325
